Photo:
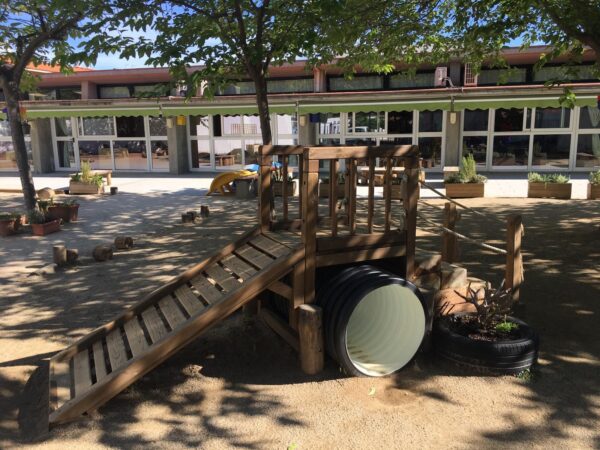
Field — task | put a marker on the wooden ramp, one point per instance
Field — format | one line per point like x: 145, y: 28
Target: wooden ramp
x: 100, y: 365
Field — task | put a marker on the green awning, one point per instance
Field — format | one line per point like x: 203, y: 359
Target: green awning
x: 523, y: 102
x: 418, y: 105
x: 202, y: 110
x: 91, y: 112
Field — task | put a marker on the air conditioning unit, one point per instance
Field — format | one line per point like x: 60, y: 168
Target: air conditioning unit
x: 470, y: 77
x: 441, y: 74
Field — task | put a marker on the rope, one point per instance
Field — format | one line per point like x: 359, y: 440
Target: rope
x: 462, y: 236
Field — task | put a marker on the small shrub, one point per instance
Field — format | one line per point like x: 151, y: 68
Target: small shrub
x: 76, y: 177
x: 506, y: 327
x: 558, y: 178
x: 36, y: 216
x: 9, y: 216
x: 86, y: 172
x: 595, y: 178
x: 467, y: 172
x: 535, y: 177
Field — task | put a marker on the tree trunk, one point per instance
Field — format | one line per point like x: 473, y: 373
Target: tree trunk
x: 11, y: 93
x: 260, y: 83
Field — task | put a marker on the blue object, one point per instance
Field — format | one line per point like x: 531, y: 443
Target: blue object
x: 252, y: 167
x: 314, y: 118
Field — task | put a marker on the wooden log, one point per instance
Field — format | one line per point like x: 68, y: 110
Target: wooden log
x: 123, y: 242
x: 410, y: 205
x: 371, y: 206
x: 102, y: 252
x: 187, y: 218
x: 310, y: 332
x: 514, y: 257
x: 449, y: 241
x: 59, y: 255
x: 204, y: 211
x: 72, y: 255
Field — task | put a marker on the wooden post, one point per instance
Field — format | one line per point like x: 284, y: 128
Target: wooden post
x: 449, y: 241
x: 410, y: 205
x: 388, y: 194
x: 265, y: 195
x: 59, y: 254
x: 351, y: 199
x: 284, y: 188
x: 297, y: 294
x: 310, y: 204
x: 333, y: 169
x: 310, y: 332
x: 514, y: 257
x: 371, y: 199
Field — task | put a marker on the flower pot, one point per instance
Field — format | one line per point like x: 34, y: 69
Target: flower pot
x: 42, y: 229
x: 465, y: 190
x: 593, y: 191
x: 79, y: 187
x: 67, y: 213
x: 549, y: 190
x: 324, y: 190
x: 507, y: 356
x: 8, y: 227
x: 278, y: 188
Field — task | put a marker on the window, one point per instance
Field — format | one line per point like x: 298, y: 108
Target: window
x: 400, y: 122
x: 551, y: 150
x: 588, y: 150
x: 96, y: 126
x: 476, y: 146
x: 239, y: 88
x: 153, y: 90
x: 569, y: 73
x: 359, y: 83
x: 114, y: 92
x: 589, y: 118
x: 508, y: 120
x: 199, y: 125
x: 513, y: 75
x: 158, y: 126
x: 476, y: 120
x: 294, y: 85
x: 475, y: 135
x: 286, y: 124
x: 64, y: 127
x: 330, y: 123
x: 511, y: 151
x: 130, y: 126
x: 97, y: 153
x: 552, y: 117
x: 421, y: 80
x: 366, y: 122
x: 4, y: 128
x: 430, y: 121
x: 431, y: 150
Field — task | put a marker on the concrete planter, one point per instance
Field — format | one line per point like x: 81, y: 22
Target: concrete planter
x: 465, y: 190
x: 549, y: 190
x: 79, y: 187
x: 593, y: 191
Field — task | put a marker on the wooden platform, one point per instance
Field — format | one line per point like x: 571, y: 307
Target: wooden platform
x: 100, y: 365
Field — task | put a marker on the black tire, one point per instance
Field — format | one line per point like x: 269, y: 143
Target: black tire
x: 501, y: 357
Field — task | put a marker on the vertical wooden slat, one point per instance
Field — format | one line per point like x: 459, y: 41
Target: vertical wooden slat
x: 171, y: 312
x: 388, y: 194
x: 449, y: 241
x: 410, y: 205
x: 309, y: 228
x: 300, y: 184
x: 116, y: 349
x: 82, y: 374
x: 265, y: 194
x: 514, y: 257
x: 135, y: 337
x: 99, y: 361
x: 154, y: 324
x: 297, y: 294
x: 347, y: 190
x: 333, y: 168
x: 352, y: 195
x: 284, y: 190
x: 371, y: 205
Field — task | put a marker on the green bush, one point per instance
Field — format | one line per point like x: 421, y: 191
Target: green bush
x: 467, y: 172
x: 37, y: 217
x: 558, y: 178
x: 595, y: 177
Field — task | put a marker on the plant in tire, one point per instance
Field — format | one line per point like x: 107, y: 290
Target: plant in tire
x: 488, y: 340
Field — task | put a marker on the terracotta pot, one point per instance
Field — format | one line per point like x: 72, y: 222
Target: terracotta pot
x: 549, y: 190
x: 42, y: 229
x: 593, y: 191
x: 67, y: 213
x: 465, y: 190
x: 8, y: 227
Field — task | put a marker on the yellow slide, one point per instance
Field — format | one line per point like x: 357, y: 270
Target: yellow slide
x: 222, y: 182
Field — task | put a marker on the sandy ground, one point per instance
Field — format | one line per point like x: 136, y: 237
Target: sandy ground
x: 240, y: 386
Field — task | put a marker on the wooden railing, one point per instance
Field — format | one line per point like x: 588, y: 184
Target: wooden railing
x: 336, y: 230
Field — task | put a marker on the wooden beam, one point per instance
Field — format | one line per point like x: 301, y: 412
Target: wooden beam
x: 410, y: 204
x: 282, y: 149
x: 309, y: 230
x: 278, y: 325
x: 449, y: 241
x: 265, y: 195
x: 361, y: 152
x: 514, y: 256
x: 371, y: 205
x: 388, y: 194
x: 333, y: 169
x: 346, y: 257
x: 297, y: 294
x: 326, y: 244
x: 281, y: 289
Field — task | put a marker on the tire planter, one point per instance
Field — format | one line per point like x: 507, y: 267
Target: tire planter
x: 374, y: 322
x: 506, y: 357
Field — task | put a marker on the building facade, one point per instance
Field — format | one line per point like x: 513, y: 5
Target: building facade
x: 509, y: 120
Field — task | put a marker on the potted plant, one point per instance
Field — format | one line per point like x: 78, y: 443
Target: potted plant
x: 340, y: 186
x: 594, y: 186
x: 41, y: 224
x: 552, y: 185
x: 9, y: 223
x: 67, y: 210
x: 277, y: 177
x: 466, y: 183
x: 488, y: 340
x: 85, y: 182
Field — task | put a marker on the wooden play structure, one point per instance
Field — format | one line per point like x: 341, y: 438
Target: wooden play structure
x: 281, y: 257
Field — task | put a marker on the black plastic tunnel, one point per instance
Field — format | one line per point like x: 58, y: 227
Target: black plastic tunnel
x: 374, y: 321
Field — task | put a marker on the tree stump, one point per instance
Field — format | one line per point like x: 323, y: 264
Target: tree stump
x: 123, y: 242
x: 204, y: 211
x: 102, y: 252
x: 59, y: 255
x: 72, y: 255
x: 310, y: 332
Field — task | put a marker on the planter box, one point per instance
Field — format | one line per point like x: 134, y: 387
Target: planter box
x: 8, y: 227
x: 324, y: 190
x: 64, y: 212
x: 593, y: 191
x: 78, y: 187
x: 278, y: 188
x: 549, y: 190
x: 42, y: 229
x: 465, y: 190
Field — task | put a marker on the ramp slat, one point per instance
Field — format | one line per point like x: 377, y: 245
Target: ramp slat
x: 154, y: 324
x: 171, y: 312
x: 208, y: 291
x: 188, y: 300
x: 135, y: 336
x: 269, y: 246
x: 60, y: 381
x: 253, y: 256
x: 99, y: 363
x: 239, y: 267
x: 82, y: 374
x: 223, y: 278
x: 116, y: 349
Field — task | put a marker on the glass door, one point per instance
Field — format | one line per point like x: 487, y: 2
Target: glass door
x: 66, y: 150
